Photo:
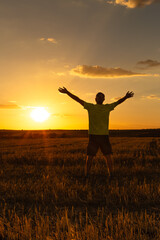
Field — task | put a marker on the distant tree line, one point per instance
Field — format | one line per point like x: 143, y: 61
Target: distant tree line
x: 18, y: 134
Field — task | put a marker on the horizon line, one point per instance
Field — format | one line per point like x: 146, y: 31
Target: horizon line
x: 116, y: 129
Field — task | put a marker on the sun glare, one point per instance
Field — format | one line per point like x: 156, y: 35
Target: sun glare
x: 39, y: 114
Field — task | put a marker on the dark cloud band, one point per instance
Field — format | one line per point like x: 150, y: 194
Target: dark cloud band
x: 149, y: 63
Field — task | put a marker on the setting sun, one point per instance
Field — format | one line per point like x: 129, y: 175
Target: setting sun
x: 39, y: 114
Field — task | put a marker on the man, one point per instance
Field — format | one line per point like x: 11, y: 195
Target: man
x: 98, y: 127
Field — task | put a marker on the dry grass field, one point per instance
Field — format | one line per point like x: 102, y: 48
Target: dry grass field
x: 44, y: 195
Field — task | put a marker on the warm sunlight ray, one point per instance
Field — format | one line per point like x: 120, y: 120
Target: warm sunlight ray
x: 39, y: 114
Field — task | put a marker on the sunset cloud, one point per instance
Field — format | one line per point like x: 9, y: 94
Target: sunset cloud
x: 51, y: 40
x: 115, y: 99
x: 153, y: 97
x: 101, y: 72
x: 148, y: 63
x: 133, y: 3
x: 9, y: 106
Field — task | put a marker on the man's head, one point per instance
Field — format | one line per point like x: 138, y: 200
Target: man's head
x: 100, y: 97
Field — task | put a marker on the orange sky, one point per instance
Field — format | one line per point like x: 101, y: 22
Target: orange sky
x: 86, y: 46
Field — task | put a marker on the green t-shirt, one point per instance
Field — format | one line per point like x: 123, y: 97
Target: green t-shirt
x: 99, y: 117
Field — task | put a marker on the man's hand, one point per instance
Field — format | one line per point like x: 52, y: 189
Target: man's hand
x: 63, y: 90
x: 74, y: 97
x: 129, y: 94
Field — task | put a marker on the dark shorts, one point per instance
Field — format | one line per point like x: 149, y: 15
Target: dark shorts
x: 99, y: 141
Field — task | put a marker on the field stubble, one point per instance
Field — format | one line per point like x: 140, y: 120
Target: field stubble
x: 44, y: 194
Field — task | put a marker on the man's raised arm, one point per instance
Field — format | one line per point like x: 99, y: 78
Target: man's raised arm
x: 128, y: 95
x: 74, y: 97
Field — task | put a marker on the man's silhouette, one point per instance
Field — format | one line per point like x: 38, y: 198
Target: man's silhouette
x: 98, y: 127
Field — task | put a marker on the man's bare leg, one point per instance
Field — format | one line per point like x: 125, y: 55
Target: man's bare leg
x: 109, y: 162
x: 88, y: 165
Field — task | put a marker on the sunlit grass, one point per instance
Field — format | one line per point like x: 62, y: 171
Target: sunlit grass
x: 44, y: 194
